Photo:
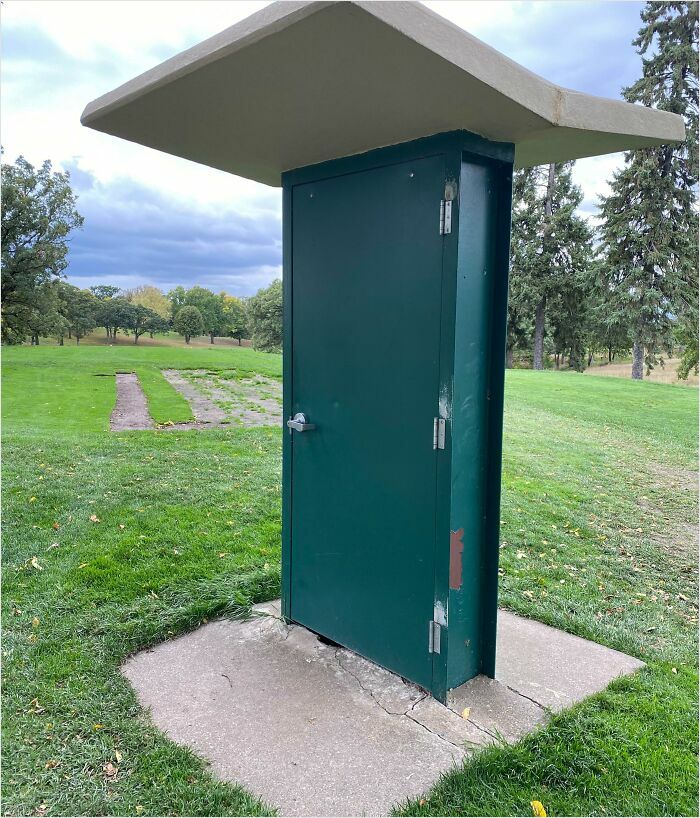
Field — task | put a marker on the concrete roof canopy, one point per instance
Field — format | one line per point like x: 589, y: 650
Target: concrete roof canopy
x: 303, y: 82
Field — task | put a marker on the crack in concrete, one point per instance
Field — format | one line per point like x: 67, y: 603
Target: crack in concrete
x: 406, y: 713
x: 529, y: 698
x: 362, y: 686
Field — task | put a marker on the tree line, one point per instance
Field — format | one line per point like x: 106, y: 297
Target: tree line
x: 629, y: 284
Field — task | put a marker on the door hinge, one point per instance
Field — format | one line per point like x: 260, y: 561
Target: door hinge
x: 433, y: 637
x: 438, y: 433
x: 445, y: 217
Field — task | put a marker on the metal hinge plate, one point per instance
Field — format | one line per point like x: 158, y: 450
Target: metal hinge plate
x: 445, y: 217
x: 433, y: 637
x: 438, y: 433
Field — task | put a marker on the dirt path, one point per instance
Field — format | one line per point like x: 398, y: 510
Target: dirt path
x: 131, y: 408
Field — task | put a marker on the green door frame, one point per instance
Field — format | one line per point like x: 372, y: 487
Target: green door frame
x: 460, y: 148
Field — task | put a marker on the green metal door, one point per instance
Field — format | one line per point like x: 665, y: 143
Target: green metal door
x: 366, y: 298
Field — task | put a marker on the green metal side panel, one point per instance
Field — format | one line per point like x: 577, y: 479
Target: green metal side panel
x: 478, y: 306
x: 366, y: 263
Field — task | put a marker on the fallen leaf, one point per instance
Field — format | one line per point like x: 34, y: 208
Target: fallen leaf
x: 34, y: 562
x: 94, y: 518
x: 56, y: 526
x: 674, y: 670
x: 466, y: 712
x: 53, y: 545
x: 118, y: 756
x: 122, y: 526
x: 139, y: 809
x: 97, y: 726
x: 35, y: 622
x: 51, y: 764
x: 538, y: 809
x: 110, y: 770
x: 32, y: 499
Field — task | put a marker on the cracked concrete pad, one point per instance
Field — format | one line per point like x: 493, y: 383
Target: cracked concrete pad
x: 494, y: 708
x: 290, y: 718
x: 315, y: 729
x: 554, y: 668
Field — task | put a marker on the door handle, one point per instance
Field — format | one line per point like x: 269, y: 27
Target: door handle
x: 299, y: 424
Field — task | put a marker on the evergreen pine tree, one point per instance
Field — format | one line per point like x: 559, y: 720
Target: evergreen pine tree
x: 550, y: 250
x: 650, y: 225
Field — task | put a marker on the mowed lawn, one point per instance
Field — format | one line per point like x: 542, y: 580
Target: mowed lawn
x: 115, y: 541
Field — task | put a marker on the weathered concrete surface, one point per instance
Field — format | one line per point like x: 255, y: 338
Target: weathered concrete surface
x: 315, y: 729
x: 131, y: 409
x: 552, y: 667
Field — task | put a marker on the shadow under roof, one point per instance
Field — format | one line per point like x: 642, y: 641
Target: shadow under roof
x: 300, y: 83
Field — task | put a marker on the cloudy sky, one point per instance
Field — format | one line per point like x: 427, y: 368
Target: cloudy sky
x: 156, y: 219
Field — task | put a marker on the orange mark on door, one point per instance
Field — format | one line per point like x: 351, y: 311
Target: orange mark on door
x: 456, y: 548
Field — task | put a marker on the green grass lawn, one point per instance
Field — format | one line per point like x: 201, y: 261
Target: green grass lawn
x: 115, y: 541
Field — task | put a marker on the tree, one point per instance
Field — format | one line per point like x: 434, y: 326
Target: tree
x: 264, y: 313
x: 104, y: 291
x: 551, y: 247
x: 38, y: 214
x: 234, y: 317
x: 650, y: 226
x: 114, y: 314
x: 151, y: 297
x: 176, y: 297
x: 47, y: 317
x: 188, y: 322
x: 210, y: 306
x: 142, y: 319
x: 80, y: 310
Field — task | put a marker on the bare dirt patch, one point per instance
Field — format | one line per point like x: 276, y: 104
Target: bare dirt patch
x: 131, y: 409
x: 228, y: 397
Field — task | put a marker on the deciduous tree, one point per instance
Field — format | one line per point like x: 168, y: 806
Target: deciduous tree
x: 38, y: 214
x: 188, y: 322
x: 264, y: 313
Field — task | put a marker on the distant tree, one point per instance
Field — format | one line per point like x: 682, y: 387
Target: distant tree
x: 151, y: 297
x: 176, y: 297
x: 47, y: 318
x: 210, y: 306
x: 80, y: 310
x: 188, y: 322
x: 235, y: 324
x: 114, y: 314
x: 552, y: 247
x: 142, y: 319
x: 38, y: 214
x: 649, y: 222
x: 104, y: 291
x: 264, y: 314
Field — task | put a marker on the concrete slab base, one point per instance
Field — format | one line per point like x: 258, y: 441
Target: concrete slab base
x: 315, y: 729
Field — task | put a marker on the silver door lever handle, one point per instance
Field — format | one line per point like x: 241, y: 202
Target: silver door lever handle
x: 299, y: 424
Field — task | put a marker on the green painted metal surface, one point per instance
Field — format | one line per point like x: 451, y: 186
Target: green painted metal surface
x: 367, y: 261
x: 389, y: 324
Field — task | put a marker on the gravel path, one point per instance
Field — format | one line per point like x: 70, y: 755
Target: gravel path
x: 131, y: 409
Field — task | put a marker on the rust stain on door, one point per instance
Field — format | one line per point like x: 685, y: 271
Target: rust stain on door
x: 456, y: 548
